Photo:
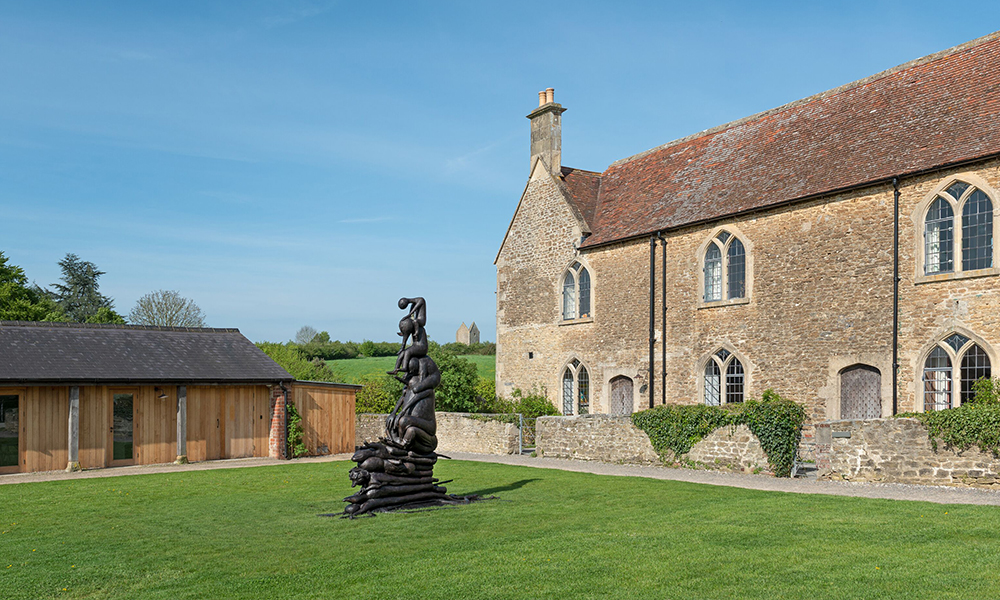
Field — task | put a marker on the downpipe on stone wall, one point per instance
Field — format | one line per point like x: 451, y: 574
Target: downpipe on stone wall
x: 652, y: 315
x: 895, y: 295
x: 663, y: 318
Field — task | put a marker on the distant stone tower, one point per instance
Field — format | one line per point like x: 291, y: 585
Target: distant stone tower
x: 467, y: 335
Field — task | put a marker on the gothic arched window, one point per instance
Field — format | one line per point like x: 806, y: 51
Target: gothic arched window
x: 575, y: 389
x: 576, y: 292
x: 942, y: 235
x: 725, y: 264
x: 724, y: 379
x: 941, y: 378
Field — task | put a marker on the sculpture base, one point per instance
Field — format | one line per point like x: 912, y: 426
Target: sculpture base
x: 393, y: 478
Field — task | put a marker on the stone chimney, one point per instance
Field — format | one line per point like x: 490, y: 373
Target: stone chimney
x: 546, y: 132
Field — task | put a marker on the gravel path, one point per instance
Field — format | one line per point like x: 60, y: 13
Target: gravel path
x: 890, y: 491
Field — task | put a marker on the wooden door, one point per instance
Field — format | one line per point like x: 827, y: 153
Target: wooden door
x: 622, y: 402
x: 95, y: 422
x: 204, y: 427
x: 244, y: 413
x: 860, y: 393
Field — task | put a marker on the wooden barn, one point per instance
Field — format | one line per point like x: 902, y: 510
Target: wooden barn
x: 78, y: 396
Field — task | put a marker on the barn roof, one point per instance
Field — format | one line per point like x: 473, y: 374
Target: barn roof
x: 62, y: 353
x: 933, y: 112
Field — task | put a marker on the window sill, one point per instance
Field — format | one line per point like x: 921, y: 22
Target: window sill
x: 959, y: 275
x: 576, y: 321
x: 718, y: 303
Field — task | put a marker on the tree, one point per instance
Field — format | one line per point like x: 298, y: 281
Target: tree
x: 166, y: 308
x: 79, y: 296
x: 305, y: 335
x: 293, y: 361
x: 20, y: 302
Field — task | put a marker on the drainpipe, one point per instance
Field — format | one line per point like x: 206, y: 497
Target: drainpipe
x: 663, y: 318
x: 895, y: 295
x: 652, y: 315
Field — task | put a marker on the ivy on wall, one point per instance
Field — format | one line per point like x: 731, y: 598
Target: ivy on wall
x: 296, y: 443
x: 775, y: 421
x: 975, y: 423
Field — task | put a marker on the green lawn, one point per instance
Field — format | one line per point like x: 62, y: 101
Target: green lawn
x: 254, y: 533
x: 350, y: 370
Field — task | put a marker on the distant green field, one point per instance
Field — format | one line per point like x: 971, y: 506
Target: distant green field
x: 350, y: 370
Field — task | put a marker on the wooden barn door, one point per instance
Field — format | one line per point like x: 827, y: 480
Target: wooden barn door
x: 244, y: 413
x: 204, y: 428
x: 621, y: 396
x: 860, y: 393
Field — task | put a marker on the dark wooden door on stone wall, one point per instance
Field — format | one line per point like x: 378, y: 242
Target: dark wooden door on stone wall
x: 860, y: 393
x: 621, y: 396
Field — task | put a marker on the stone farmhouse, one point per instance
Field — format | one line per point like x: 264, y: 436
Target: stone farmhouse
x: 467, y: 335
x: 838, y: 249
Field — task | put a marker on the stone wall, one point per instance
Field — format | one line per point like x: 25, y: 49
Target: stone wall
x: 611, y: 439
x: 727, y: 448
x: 602, y: 438
x: 456, y: 432
x: 819, y: 277
x: 897, y: 451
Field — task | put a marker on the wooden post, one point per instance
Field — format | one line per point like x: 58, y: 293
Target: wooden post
x: 182, y: 458
x: 74, y: 429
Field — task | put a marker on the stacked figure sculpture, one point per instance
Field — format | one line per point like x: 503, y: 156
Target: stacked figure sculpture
x: 397, y: 472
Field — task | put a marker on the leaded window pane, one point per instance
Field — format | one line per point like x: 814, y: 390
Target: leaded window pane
x: 583, y: 390
x: 939, y: 237
x: 584, y: 293
x: 956, y: 341
x: 937, y: 381
x: 569, y: 297
x: 957, y: 189
x: 712, y: 384
x: 736, y: 269
x: 567, y: 394
x: 734, y: 382
x: 723, y: 236
x: 713, y: 273
x: 723, y: 354
x: 975, y: 366
x: 977, y: 232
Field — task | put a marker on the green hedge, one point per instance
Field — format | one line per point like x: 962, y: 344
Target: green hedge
x: 775, y: 421
x: 975, y: 423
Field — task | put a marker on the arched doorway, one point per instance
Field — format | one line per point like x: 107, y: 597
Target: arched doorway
x: 860, y: 392
x: 621, y: 396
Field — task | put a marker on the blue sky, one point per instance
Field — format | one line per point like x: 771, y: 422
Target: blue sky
x: 292, y: 163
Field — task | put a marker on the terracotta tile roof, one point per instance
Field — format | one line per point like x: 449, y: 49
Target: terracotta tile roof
x: 583, y: 187
x: 76, y: 353
x: 939, y: 110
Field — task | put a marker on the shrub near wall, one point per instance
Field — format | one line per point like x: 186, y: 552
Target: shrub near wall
x: 975, y: 423
x: 775, y: 421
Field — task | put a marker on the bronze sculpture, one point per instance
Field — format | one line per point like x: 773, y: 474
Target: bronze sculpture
x: 397, y: 472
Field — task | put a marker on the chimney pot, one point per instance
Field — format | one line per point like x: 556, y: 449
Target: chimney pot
x: 550, y: 94
x: 541, y: 98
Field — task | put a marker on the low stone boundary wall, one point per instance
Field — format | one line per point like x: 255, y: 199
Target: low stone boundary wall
x: 897, y: 451
x: 456, y: 432
x: 614, y: 439
x: 734, y: 449
x: 602, y: 438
